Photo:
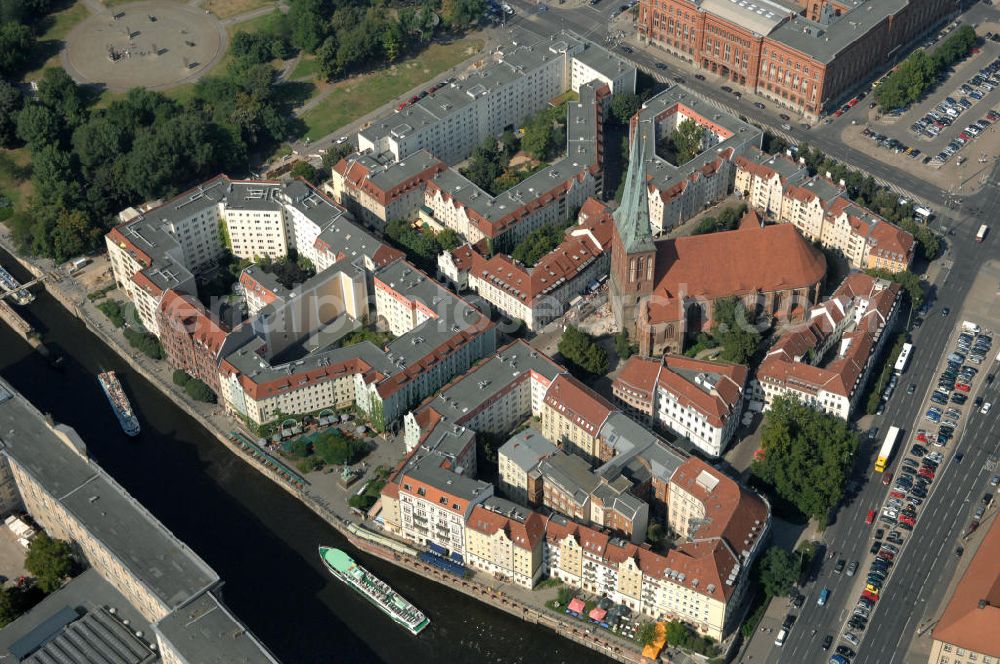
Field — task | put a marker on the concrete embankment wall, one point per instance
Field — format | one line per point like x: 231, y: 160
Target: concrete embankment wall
x: 575, y: 631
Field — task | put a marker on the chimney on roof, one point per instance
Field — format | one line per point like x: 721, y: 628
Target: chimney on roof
x: 828, y: 176
x: 983, y: 603
x: 842, y: 184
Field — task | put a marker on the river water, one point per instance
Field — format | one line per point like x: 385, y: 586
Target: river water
x: 261, y: 541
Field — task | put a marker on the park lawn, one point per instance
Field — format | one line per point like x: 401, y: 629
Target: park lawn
x: 358, y: 96
x: 11, y: 183
x: 253, y: 25
x: 308, y: 67
x: 63, y: 21
x: 227, y: 8
x: 50, y: 42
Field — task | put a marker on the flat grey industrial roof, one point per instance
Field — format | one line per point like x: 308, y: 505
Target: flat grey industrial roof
x: 526, y: 448
x: 386, y: 174
x: 631, y: 440
x: 824, y: 189
x: 825, y: 42
x: 74, y: 626
x: 161, y: 562
x: 205, y: 632
x: 662, y: 174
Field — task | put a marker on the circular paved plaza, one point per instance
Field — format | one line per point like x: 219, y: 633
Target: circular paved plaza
x: 154, y: 45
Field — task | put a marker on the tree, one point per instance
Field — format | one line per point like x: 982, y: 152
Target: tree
x: 686, y: 141
x: 11, y: 102
x: 38, y: 125
x: 9, y: 611
x: 306, y: 171
x: 448, y: 239
x: 49, y: 560
x: 199, y: 391
x: 565, y: 595
x: 908, y: 281
x: 61, y: 93
x: 307, y: 19
x: 778, y: 571
x: 73, y: 235
x: 807, y: 455
x: 539, y: 139
x: 181, y: 377
x: 537, y: 244
x: 622, y: 346
x: 459, y: 13
x: 336, y: 448
x: 580, y: 351
x: 646, y: 633
x: 733, y: 329
x: 623, y: 106
x: 16, y: 44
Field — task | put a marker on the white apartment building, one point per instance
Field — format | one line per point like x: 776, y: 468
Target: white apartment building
x: 677, y: 193
x: 435, y: 503
x: 519, y: 81
x: 539, y: 294
x: 166, y: 247
x: 857, y: 320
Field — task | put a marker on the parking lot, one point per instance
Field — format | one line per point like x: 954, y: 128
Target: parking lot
x: 950, y: 136
x: 912, y: 463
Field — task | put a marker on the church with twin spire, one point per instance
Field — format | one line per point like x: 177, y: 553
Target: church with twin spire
x: 663, y: 290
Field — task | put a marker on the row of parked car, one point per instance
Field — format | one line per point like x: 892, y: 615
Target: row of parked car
x: 429, y: 91
x: 889, y: 143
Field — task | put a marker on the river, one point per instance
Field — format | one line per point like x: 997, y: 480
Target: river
x: 260, y: 539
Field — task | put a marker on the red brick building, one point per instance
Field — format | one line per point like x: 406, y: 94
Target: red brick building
x: 191, y: 338
x: 807, y: 56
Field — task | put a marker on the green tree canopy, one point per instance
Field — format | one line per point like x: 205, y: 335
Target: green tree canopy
x: 49, y: 560
x: 336, y: 448
x: 581, y: 353
x: 685, y: 141
x: 199, y: 391
x: 733, y: 329
x: 623, y: 106
x: 807, y: 456
x: 778, y: 571
x: 11, y: 102
x: 16, y: 44
x: 537, y: 243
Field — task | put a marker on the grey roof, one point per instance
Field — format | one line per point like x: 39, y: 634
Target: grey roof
x: 527, y: 448
x: 580, y: 155
x: 631, y: 441
x: 619, y: 500
x: 825, y: 42
x: 453, y: 313
x: 823, y: 188
x: 75, y: 625
x: 205, y: 632
x: 449, y: 441
x: 758, y: 16
x: 158, y: 560
x: 571, y: 474
x: 426, y: 467
x: 507, y: 508
x: 491, y: 377
x: 662, y: 174
x: 632, y: 216
x: 386, y: 174
x: 783, y: 165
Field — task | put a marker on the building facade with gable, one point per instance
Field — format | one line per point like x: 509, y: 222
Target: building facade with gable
x: 856, y: 322
x: 700, y: 400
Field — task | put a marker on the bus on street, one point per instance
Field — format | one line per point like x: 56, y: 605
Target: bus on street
x: 903, y: 359
x: 981, y: 235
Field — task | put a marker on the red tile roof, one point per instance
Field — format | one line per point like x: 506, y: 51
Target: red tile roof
x: 768, y: 259
x: 577, y: 403
x: 971, y: 620
x: 523, y: 535
x: 189, y: 313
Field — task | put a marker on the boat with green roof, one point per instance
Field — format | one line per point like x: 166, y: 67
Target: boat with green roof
x: 374, y: 589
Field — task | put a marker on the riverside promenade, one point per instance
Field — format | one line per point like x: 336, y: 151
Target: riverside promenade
x: 324, y: 498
